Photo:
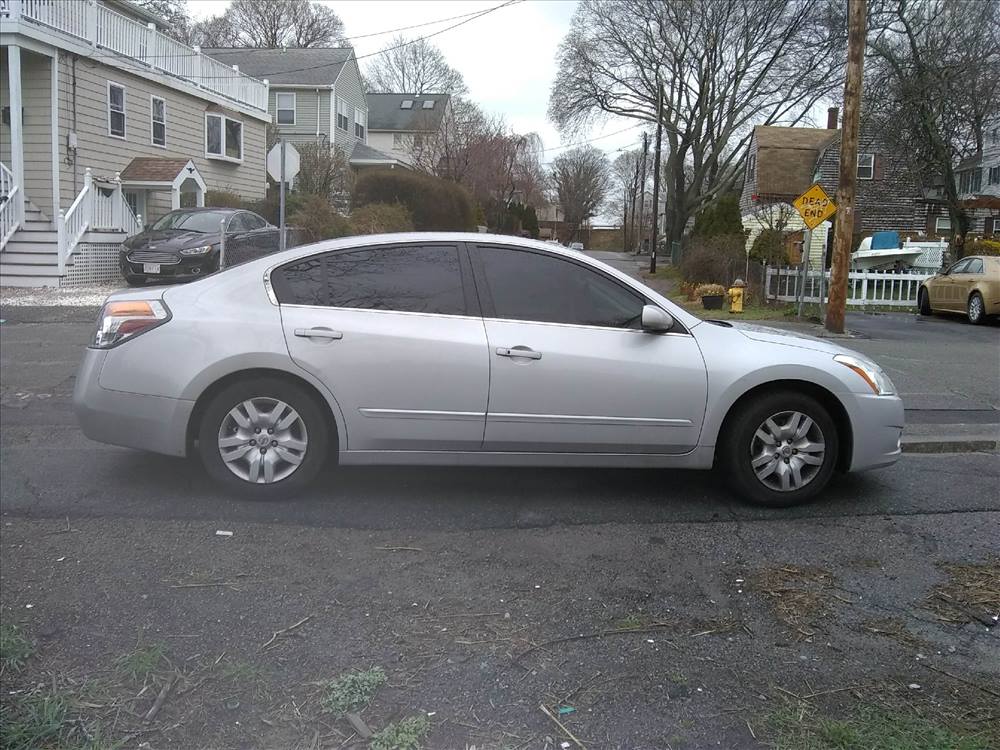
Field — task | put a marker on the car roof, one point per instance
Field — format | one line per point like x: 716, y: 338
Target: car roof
x: 207, y: 209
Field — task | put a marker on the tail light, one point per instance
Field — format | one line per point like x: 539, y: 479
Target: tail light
x: 124, y: 320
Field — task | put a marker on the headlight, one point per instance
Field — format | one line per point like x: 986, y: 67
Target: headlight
x: 196, y: 250
x: 870, y: 372
x: 121, y: 321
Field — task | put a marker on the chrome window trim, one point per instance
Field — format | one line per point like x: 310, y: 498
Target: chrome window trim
x: 586, y: 327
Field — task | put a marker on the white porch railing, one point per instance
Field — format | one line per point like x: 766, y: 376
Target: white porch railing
x: 10, y: 205
x: 864, y: 288
x: 95, y: 209
x: 105, y: 28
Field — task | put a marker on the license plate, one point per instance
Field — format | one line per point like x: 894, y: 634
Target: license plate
x: 150, y: 267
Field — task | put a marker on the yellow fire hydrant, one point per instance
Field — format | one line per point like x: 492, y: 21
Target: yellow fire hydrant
x: 736, y: 296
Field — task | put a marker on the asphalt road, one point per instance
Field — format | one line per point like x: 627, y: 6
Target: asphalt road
x: 51, y: 470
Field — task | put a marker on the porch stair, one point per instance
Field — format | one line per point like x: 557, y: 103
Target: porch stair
x: 31, y: 256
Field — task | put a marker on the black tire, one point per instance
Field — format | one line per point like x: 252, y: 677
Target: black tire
x: 976, y: 309
x: 310, y: 410
x: 924, y: 302
x: 132, y: 280
x: 738, y: 439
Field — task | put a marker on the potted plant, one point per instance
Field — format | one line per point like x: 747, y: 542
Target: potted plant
x: 711, y: 295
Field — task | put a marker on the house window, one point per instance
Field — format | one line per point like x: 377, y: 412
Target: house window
x: 976, y: 180
x: 993, y: 177
x: 406, y: 104
x: 398, y: 141
x: 942, y: 224
x: 116, y: 110
x: 866, y: 166
x: 343, y: 120
x: 158, y: 120
x: 360, y: 123
x: 223, y: 138
x: 285, y: 105
x: 428, y: 104
x: 751, y: 166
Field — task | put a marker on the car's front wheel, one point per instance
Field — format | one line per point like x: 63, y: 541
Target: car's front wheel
x: 779, y: 448
x: 924, y: 302
x: 265, y: 439
x: 976, y: 309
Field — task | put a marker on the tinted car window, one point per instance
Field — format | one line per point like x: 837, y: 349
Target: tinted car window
x: 425, y: 279
x: 238, y: 223
x: 959, y: 267
x: 254, y: 221
x: 192, y: 221
x: 532, y: 286
x: 975, y: 266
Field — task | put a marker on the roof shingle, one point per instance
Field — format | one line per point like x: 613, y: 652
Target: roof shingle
x: 786, y: 157
x: 385, y: 112
x: 317, y: 66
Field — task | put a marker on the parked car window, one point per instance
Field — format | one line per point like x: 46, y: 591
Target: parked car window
x: 959, y: 267
x: 191, y: 221
x: 424, y: 279
x: 975, y: 266
x: 532, y: 286
x: 254, y: 222
x: 238, y: 223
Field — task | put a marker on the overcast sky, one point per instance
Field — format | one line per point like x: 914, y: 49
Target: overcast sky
x: 506, y: 57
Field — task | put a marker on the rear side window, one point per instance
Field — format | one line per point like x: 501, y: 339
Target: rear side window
x: 975, y: 266
x: 537, y: 287
x: 422, y: 279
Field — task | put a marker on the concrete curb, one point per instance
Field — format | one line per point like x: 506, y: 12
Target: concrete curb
x: 950, y: 444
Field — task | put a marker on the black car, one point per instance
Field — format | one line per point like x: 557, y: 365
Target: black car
x: 184, y: 244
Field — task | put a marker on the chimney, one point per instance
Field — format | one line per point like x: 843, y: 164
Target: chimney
x: 832, y: 116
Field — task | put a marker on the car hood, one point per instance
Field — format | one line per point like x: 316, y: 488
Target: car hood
x: 170, y: 239
x: 770, y: 335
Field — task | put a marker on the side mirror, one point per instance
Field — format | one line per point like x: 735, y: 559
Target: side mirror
x: 656, y: 319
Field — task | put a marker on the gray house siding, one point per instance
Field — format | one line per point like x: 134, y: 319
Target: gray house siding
x: 83, y: 108
x: 312, y: 113
x: 749, y: 178
x: 348, y: 87
x: 36, y: 95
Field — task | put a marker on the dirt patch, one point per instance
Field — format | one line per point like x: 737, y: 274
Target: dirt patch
x: 970, y: 594
x: 799, y: 595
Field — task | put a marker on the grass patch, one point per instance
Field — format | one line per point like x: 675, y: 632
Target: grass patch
x: 33, y: 721
x: 241, y: 671
x: 15, y: 648
x: 142, y: 662
x: 797, y: 594
x: 353, y: 691
x: 401, y: 735
x: 633, y: 621
x: 870, y: 728
x: 970, y: 593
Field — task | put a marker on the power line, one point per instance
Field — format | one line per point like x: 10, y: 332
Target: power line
x: 596, y: 138
x: 469, y: 17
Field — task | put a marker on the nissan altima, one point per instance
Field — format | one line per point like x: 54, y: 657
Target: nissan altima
x: 459, y: 349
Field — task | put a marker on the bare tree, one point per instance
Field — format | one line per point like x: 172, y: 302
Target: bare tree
x: 932, y: 81
x: 630, y: 181
x: 416, y: 67
x: 723, y: 65
x: 269, y: 24
x: 581, y: 178
x: 174, y: 13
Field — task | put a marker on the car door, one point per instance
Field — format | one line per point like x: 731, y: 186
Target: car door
x: 237, y: 248
x: 260, y: 239
x: 395, y: 332
x: 572, y: 371
x: 943, y: 292
x: 964, y: 281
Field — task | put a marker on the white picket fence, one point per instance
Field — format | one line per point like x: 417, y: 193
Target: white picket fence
x: 864, y: 288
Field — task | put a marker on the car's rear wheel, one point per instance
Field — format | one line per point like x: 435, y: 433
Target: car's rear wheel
x: 265, y: 439
x: 779, y: 449
x: 976, y: 309
x: 924, y: 302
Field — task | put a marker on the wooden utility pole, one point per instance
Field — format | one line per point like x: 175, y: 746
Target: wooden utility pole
x: 843, y: 229
x: 642, y: 194
x: 656, y: 172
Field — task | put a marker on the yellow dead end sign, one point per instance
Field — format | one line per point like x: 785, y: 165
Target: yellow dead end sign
x: 814, y: 206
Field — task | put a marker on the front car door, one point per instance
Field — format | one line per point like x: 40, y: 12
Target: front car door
x: 395, y: 333
x: 571, y: 369
x: 943, y: 292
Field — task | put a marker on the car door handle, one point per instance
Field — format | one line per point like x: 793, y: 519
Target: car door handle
x: 520, y: 353
x: 318, y: 333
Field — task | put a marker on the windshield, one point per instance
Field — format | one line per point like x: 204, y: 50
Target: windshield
x: 192, y: 221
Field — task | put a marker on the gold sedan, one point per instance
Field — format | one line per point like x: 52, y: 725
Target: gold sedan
x: 970, y: 286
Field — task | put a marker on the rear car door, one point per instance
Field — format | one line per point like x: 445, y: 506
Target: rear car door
x: 395, y: 333
x: 964, y: 282
x: 261, y: 237
x: 571, y: 369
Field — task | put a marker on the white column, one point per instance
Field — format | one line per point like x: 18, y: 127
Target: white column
x: 117, y: 214
x: 175, y: 198
x: 90, y: 9
x: 16, y: 125
x: 54, y: 126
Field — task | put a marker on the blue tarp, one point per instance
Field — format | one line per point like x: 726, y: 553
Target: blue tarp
x: 885, y: 240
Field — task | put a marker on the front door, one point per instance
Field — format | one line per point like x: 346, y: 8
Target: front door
x: 395, y: 334
x: 571, y: 369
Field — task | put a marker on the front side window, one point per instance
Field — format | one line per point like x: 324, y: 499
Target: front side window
x: 535, y: 287
x: 959, y: 267
x: 866, y: 166
x: 360, y: 123
x: 942, y: 224
x: 343, y: 108
x: 993, y: 178
x: 285, y: 106
x: 116, y: 110
x: 254, y: 222
x: 158, y: 118
x: 223, y: 137
x: 192, y: 221
x: 421, y: 279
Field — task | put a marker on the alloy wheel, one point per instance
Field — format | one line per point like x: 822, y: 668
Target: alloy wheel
x: 975, y: 308
x: 787, y: 451
x: 263, y: 440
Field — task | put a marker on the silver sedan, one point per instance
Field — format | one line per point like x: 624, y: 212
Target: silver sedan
x: 470, y: 349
